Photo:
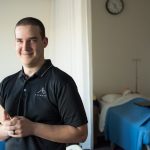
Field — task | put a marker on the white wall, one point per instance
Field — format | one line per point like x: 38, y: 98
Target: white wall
x: 117, y: 40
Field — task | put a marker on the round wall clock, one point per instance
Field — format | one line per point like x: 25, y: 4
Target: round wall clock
x: 114, y: 7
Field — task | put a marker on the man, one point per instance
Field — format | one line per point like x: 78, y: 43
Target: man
x: 43, y: 110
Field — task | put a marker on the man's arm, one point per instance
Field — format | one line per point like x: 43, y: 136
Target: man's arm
x: 61, y: 133
x: 55, y: 133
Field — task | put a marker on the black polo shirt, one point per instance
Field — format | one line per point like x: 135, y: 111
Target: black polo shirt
x: 50, y: 96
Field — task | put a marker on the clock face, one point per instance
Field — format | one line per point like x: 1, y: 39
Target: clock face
x: 114, y: 6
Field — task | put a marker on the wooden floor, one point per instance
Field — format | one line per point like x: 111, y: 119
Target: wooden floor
x: 102, y: 144
x: 103, y: 148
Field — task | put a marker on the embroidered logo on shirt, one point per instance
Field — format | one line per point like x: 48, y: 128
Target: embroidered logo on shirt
x: 41, y: 93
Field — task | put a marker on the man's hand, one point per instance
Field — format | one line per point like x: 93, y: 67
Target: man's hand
x: 5, y: 118
x: 19, y: 127
x: 9, y: 125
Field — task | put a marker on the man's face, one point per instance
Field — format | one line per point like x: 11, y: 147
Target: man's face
x: 30, y: 45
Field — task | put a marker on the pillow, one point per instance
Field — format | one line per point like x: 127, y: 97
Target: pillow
x: 126, y: 92
x: 110, y: 98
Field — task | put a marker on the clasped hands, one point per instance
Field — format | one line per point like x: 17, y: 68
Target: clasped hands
x: 17, y: 126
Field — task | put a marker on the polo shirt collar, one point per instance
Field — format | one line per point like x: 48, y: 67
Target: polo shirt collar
x: 41, y: 72
x: 46, y: 66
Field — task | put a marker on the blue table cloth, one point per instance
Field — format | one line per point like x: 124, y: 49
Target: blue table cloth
x: 2, y: 145
x: 128, y: 125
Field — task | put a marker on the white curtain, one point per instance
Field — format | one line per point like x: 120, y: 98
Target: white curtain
x: 70, y: 44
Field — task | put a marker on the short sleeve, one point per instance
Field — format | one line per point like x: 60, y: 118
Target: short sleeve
x: 70, y: 105
x: 1, y: 93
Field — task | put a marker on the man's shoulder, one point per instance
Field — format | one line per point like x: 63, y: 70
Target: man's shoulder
x: 60, y: 75
x: 10, y: 77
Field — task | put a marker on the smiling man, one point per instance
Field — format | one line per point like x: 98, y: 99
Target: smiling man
x: 43, y: 109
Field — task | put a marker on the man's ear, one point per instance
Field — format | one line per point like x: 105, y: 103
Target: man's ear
x: 45, y: 41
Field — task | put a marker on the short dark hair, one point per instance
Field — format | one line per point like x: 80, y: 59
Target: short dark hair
x: 34, y: 22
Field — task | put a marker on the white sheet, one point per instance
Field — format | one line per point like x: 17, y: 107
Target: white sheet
x: 105, y: 106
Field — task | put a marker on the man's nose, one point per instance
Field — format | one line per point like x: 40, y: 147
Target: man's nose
x: 26, y: 46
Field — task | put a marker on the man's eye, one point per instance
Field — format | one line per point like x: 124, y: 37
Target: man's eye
x: 33, y: 40
x: 19, y: 41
